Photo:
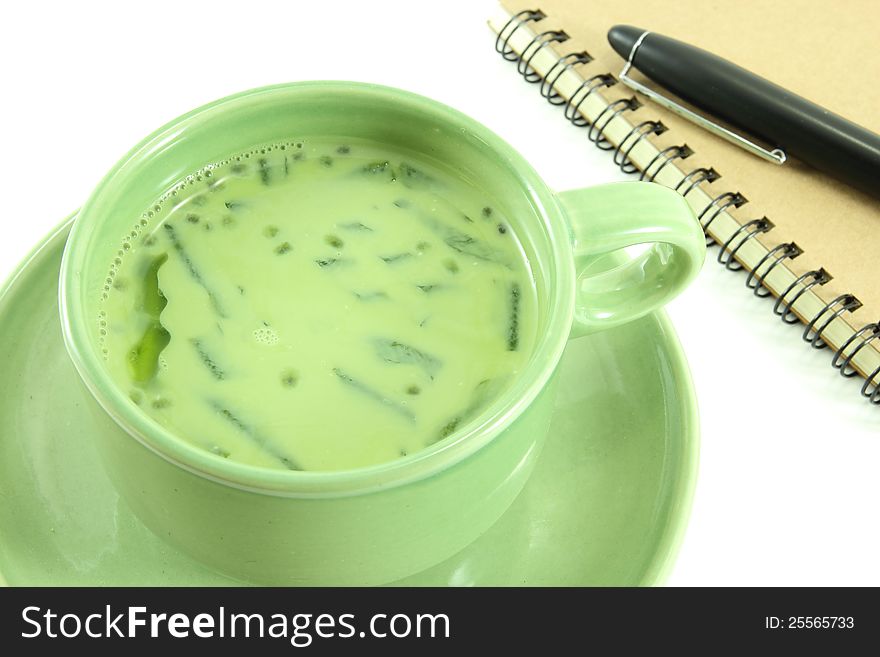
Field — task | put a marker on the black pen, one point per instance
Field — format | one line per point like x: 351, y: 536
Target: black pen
x: 757, y: 106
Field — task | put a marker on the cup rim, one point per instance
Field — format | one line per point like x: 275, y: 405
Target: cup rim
x: 426, y: 462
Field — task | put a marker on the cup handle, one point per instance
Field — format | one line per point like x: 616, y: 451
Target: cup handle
x: 612, y: 289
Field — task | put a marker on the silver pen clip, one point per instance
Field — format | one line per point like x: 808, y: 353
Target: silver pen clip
x: 777, y: 156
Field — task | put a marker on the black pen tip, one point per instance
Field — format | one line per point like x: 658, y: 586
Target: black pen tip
x: 623, y: 37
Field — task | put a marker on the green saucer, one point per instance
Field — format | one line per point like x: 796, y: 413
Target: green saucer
x: 607, y: 505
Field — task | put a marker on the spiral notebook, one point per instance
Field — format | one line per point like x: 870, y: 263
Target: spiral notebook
x: 808, y: 243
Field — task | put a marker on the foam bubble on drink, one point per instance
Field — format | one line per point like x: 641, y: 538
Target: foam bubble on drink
x: 266, y: 335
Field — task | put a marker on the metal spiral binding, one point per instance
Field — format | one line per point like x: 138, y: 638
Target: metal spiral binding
x: 596, y: 133
x: 719, y: 203
x: 873, y: 331
x: 746, y: 232
x: 694, y: 178
x: 572, y: 109
x: 870, y: 388
x: 564, y: 63
x: 642, y: 130
x: 666, y: 156
x: 844, y: 303
x: 785, y: 303
x: 516, y: 21
x: 536, y: 45
x: 774, y: 256
x: 783, y: 307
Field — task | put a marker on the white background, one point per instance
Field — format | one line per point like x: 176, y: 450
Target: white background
x: 788, y: 490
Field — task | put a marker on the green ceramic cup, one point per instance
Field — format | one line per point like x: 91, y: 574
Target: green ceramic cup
x: 376, y: 524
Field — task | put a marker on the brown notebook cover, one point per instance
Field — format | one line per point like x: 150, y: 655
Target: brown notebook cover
x: 814, y: 224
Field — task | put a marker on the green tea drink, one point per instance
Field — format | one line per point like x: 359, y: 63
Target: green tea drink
x: 318, y: 306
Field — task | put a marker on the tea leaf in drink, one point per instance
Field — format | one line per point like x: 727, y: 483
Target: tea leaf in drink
x: 393, y: 351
